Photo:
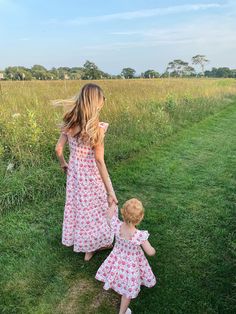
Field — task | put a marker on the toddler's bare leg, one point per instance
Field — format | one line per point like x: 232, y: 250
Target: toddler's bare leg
x: 124, y: 304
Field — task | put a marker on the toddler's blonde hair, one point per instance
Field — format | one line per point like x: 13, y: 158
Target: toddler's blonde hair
x: 132, y: 211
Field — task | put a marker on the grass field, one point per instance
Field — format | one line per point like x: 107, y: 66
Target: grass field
x: 172, y: 144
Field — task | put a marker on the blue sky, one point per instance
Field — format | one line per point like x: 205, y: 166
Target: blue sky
x: 142, y: 34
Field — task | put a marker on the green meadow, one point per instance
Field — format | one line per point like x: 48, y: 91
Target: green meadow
x: 171, y: 143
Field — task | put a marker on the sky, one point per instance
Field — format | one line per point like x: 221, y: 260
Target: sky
x: 142, y: 34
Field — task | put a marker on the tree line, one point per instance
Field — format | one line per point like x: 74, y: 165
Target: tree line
x: 90, y: 71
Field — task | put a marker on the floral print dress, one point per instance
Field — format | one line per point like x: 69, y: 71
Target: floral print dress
x: 85, y: 225
x: 126, y: 268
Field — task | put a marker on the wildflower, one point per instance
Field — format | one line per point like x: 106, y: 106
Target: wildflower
x: 15, y: 115
x: 10, y: 166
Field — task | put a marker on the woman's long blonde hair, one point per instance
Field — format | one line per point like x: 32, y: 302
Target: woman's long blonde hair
x: 85, y: 114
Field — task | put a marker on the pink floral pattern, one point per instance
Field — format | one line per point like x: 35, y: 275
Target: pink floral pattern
x: 126, y: 268
x: 85, y: 225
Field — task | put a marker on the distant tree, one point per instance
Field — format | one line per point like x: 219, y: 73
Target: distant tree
x: 17, y: 73
x: 54, y: 75
x: 189, y: 71
x: 200, y: 60
x: 10, y: 73
x: 76, y: 73
x: 63, y: 73
x: 221, y: 72
x: 25, y: 73
x: 211, y: 73
x: 165, y: 74
x: 105, y: 75
x: 177, y: 67
x: 91, y: 71
x: 128, y: 73
x: 39, y: 72
x: 224, y: 72
x: 233, y: 71
x: 150, y: 74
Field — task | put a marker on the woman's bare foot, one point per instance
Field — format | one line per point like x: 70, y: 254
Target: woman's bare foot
x: 88, y: 256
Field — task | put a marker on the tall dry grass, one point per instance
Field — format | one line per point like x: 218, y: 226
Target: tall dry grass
x: 140, y: 112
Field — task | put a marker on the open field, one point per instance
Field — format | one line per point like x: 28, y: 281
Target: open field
x: 172, y: 144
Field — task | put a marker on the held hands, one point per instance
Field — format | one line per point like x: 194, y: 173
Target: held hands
x: 111, y: 211
x: 64, y: 167
x: 111, y: 198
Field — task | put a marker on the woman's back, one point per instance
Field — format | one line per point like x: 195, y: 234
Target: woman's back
x: 82, y: 156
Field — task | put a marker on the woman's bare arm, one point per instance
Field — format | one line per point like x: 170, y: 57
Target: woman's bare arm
x: 99, y: 157
x: 59, y: 151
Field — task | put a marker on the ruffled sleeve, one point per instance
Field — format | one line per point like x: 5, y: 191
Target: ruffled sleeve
x: 115, y: 224
x: 104, y: 125
x: 141, y: 237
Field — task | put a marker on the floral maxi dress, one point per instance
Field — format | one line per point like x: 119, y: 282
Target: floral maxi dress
x: 85, y: 225
x: 126, y: 267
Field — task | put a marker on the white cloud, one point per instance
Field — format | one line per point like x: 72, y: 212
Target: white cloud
x: 205, y: 31
x: 128, y: 33
x: 208, y: 35
x: 139, y: 14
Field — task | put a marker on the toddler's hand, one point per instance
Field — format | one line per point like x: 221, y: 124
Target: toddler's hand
x: 111, y: 210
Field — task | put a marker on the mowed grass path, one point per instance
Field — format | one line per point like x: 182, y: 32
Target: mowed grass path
x: 188, y: 188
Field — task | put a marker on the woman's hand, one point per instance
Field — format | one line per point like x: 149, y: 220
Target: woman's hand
x: 111, y: 211
x: 111, y: 198
x: 64, y: 167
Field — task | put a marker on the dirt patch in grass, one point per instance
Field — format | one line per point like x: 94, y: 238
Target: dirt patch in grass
x: 87, y: 296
